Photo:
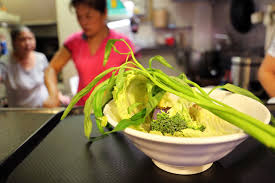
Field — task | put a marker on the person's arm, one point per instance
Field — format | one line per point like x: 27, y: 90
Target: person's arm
x: 55, y: 66
x: 266, y: 75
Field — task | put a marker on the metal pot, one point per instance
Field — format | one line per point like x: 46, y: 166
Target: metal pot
x: 244, y: 70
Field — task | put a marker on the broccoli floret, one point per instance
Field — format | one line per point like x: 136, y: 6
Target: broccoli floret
x: 166, y: 124
x: 169, y: 125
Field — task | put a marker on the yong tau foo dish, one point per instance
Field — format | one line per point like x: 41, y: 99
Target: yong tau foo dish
x: 184, y: 128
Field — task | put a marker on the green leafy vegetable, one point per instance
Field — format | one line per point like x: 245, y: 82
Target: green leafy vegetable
x: 236, y: 89
x: 161, y: 60
x: 156, y: 83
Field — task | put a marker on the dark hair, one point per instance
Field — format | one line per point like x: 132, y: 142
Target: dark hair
x: 15, y: 31
x: 99, y: 5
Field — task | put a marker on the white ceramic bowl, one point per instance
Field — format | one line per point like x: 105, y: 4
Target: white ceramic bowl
x: 185, y: 155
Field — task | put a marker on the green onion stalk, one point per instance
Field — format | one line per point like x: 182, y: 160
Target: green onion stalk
x: 180, y: 86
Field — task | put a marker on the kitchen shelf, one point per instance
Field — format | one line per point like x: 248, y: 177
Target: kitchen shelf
x: 117, y: 17
x: 157, y: 48
x: 9, y: 18
x: 40, y: 23
x: 174, y: 28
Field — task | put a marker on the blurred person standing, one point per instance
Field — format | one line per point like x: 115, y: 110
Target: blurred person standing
x: 23, y: 75
x: 86, y: 49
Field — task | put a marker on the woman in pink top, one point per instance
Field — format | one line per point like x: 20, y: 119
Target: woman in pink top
x: 86, y: 48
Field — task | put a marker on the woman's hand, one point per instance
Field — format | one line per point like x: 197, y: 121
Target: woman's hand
x: 51, y: 102
x: 64, y: 99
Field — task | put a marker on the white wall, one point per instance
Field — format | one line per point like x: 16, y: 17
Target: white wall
x: 66, y: 20
x: 66, y: 25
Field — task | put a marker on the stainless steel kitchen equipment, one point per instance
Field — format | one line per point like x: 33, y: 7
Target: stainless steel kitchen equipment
x: 244, y: 70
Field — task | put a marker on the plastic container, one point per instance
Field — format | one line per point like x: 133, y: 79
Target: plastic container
x: 160, y: 18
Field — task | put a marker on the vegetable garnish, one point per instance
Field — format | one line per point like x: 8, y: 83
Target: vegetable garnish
x: 156, y: 83
x: 170, y: 125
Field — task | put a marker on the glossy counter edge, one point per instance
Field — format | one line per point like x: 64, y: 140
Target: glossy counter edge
x: 8, y: 165
x: 33, y: 110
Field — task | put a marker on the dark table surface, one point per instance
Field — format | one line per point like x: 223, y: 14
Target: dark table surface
x: 16, y: 127
x: 17, y: 130
x: 65, y: 156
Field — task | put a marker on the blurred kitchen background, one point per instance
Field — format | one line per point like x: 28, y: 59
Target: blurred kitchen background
x: 212, y: 41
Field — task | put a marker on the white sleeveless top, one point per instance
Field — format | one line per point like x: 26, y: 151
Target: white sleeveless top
x: 25, y: 88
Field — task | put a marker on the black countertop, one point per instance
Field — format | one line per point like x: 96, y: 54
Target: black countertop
x: 20, y: 129
x: 15, y: 128
x: 65, y: 156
